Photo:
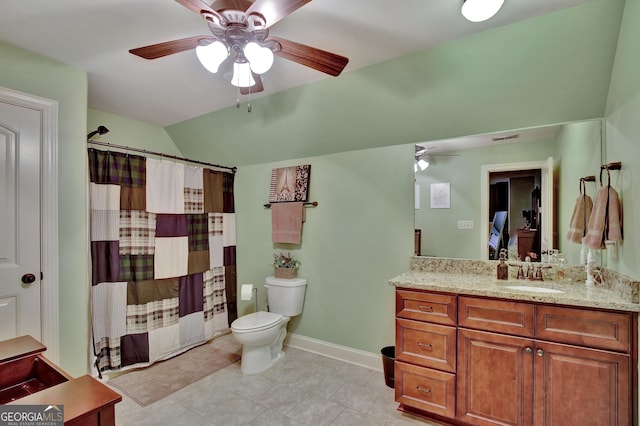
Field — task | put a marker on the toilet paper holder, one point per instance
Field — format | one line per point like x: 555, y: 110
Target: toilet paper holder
x: 249, y: 292
x: 254, y: 294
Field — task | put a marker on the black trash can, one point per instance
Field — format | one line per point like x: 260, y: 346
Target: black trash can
x: 388, y: 359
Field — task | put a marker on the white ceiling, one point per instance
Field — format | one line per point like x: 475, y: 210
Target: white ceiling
x: 96, y: 36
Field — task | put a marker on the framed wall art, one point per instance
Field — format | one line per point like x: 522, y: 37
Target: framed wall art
x: 290, y: 184
x: 440, y: 196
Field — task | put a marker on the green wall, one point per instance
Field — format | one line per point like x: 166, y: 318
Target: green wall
x: 578, y: 155
x: 549, y: 69
x: 43, y: 77
x: 132, y: 133
x: 358, y: 237
x: 623, y: 139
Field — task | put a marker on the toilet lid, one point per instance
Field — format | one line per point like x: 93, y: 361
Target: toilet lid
x: 256, y: 321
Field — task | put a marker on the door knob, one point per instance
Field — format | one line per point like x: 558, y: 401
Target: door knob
x: 28, y: 278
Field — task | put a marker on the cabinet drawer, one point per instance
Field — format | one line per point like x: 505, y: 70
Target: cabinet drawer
x: 428, y: 390
x: 496, y: 315
x: 425, y: 344
x: 596, y: 329
x: 432, y: 307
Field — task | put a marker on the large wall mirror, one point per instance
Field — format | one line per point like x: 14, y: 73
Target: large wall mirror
x: 530, y: 176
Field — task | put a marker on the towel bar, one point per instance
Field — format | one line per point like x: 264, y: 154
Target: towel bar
x: 306, y: 204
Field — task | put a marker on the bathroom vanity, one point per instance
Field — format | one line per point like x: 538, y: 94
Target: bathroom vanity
x: 472, y: 350
x: 27, y: 377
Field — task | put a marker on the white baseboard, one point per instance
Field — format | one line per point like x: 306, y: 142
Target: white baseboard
x: 331, y: 350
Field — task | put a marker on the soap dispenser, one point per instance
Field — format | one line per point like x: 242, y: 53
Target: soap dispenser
x: 503, y: 268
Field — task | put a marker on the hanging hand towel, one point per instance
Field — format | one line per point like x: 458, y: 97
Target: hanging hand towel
x: 605, y: 223
x: 286, y: 222
x: 580, y: 219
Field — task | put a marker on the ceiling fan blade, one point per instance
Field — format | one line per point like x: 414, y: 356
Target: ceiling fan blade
x: 275, y: 10
x: 197, y: 6
x: 159, y: 50
x: 221, y: 5
x: 321, y: 60
x: 258, y: 87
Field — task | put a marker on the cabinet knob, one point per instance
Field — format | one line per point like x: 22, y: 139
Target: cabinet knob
x: 425, y: 308
x: 540, y: 352
x: 528, y: 350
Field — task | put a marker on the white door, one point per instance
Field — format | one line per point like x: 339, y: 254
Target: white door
x: 20, y: 284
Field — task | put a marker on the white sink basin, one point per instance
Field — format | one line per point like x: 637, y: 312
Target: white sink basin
x: 533, y: 289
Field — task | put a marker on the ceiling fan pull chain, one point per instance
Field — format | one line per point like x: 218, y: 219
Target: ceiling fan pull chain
x: 249, y: 102
x: 237, y: 97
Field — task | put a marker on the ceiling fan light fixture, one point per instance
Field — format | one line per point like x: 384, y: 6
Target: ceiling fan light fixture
x: 422, y: 164
x: 242, y: 75
x: 212, y: 55
x: 480, y: 10
x: 260, y: 58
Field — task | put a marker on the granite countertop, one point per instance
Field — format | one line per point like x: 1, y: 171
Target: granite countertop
x: 480, y: 283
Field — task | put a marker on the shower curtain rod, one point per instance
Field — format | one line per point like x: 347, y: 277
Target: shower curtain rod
x: 173, y: 157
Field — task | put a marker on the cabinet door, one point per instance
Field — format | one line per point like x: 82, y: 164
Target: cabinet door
x: 577, y: 386
x: 495, y: 378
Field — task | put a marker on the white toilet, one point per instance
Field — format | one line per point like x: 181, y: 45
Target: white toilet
x: 262, y: 333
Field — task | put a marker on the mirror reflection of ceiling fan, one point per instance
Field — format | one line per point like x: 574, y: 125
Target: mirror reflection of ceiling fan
x: 423, y: 158
x: 240, y: 31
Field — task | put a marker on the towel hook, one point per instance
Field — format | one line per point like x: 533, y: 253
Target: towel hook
x: 583, y: 185
x: 616, y: 165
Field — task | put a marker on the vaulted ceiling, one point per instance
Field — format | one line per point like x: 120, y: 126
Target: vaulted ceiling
x: 97, y: 35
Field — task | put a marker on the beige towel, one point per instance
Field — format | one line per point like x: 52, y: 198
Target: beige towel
x: 286, y: 222
x: 605, y: 223
x: 580, y: 219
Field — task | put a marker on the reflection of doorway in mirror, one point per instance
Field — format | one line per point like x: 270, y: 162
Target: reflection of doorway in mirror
x: 538, y: 206
x: 440, y: 196
x: 514, y: 191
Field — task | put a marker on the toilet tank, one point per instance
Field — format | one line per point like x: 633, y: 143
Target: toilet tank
x: 285, y: 296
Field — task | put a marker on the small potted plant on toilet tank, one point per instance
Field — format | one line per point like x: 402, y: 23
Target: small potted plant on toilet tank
x: 285, y: 266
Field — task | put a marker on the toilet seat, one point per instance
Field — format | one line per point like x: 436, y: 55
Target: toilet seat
x: 256, y: 321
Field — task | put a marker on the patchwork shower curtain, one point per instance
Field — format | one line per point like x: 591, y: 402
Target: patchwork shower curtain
x: 163, y: 257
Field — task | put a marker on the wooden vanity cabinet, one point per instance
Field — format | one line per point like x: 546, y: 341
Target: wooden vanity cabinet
x: 519, y: 363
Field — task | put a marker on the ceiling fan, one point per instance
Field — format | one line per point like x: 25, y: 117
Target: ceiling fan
x: 237, y: 24
x: 422, y: 157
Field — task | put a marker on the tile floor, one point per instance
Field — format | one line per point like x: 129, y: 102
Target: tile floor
x: 303, y: 389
